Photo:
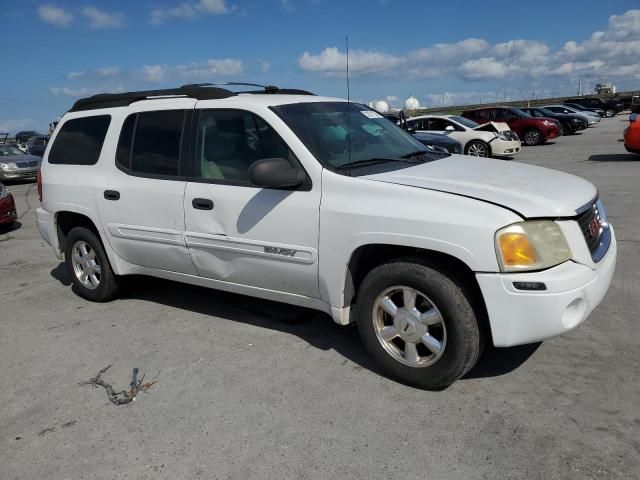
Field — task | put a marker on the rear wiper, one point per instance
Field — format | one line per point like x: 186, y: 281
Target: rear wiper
x: 375, y: 160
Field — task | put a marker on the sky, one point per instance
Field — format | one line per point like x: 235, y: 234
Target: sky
x: 452, y: 52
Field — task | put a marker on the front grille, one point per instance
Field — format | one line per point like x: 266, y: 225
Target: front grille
x: 27, y: 164
x: 595, y: 230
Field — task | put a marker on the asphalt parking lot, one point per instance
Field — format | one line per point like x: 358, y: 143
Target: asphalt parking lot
x: 252, y: 389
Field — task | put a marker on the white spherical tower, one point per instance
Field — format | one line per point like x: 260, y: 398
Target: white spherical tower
x: 411, y: 104
x: 381, y: 106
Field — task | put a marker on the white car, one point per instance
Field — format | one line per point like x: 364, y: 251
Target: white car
x: 592, y: 118
x: 488, y: 140
x: 325, y: 204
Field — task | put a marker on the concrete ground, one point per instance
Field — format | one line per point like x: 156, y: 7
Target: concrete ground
x: 252, y: 389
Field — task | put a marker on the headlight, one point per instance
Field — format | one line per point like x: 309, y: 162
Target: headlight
x: 501, y: 136
x: 3, y: 191
x: 532, y: 245
x: 7, y: 166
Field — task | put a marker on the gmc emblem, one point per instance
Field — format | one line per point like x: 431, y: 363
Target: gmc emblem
x: 595, y: 226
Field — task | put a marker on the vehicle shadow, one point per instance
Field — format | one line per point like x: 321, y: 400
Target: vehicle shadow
x: 616, y: 157
x: 315, y: 328
x: 11, y: 227
x: 495, y: 362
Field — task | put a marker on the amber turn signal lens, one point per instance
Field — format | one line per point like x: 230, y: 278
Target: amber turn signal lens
x: 517, y: 250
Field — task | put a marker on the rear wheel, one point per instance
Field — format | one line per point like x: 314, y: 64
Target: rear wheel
x: 89, y: 266
x: 533, y: 137
x: 417, y: 324
x: 477, y: 148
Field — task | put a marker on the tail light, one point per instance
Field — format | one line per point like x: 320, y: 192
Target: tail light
x: 40, y: 184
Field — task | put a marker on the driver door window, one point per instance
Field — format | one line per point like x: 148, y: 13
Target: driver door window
x: 230, y: 141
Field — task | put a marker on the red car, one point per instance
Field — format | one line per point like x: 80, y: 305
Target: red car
x: 8, y: 213
x: 632, y: 133
x: 532, y: 130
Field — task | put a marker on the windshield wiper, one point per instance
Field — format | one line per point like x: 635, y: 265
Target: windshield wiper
x: 417, y: 153
x: 367, y: 161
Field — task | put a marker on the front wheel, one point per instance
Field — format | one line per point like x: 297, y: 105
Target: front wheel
x: 417, y: 324
x: 567, y: 129
x: 609, y: 113
x: 477, y: 148
x: 533, y: 137
x: 89, y: 266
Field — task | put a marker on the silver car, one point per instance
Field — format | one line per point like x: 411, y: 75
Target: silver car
x: 592, y: 118
x: 15, y: 164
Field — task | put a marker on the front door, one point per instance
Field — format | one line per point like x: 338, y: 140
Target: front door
x: 239, y: 233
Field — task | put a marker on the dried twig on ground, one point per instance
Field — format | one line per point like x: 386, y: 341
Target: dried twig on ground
x: 123, y: 397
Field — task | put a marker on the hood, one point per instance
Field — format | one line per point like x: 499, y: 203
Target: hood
x: 529, y: 190
x: 19, y: 158
x: 493, y: 127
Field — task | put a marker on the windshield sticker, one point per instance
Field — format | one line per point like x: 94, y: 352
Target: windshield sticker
x: 370, y: 114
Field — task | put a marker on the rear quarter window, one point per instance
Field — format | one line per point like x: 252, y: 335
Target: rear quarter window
x: 79, y: 141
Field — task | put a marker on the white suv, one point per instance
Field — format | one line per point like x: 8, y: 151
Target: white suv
x: 322, y: 203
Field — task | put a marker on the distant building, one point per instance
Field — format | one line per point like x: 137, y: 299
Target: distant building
x: 605, y: 88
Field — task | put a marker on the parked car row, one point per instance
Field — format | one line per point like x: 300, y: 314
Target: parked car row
x: 499, y: 131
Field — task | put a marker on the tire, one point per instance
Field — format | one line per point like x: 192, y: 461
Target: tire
x: 567, y: 129
x: 477, y: 148
x: 439, y: 299
x: 85, y: 258
x: 532, y: 137
x: 609, y: 113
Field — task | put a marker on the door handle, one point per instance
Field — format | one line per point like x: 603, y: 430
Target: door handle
x: 111, y: 195
x: 202, y: 204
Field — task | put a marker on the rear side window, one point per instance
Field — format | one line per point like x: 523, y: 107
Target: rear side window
x: 150, y: 143
x: 79, y: 141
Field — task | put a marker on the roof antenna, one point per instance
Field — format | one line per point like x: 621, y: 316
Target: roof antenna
x: 348, y: 102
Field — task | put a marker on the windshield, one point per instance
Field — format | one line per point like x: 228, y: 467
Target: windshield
x: 6, y: 150
x: 323, y: 127
x: 519, y: 113
x: 464, y: 121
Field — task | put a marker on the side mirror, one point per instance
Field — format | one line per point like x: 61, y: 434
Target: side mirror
x: 275, y: 173
x: 449, y: 128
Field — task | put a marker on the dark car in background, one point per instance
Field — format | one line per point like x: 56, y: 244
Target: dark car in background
x: 23, y: 137
x: 531, y: 130
x: 569, y: 123
x: 37, y: 145
x: 609, y: 107
x: 439, y: 142
x: 8, y: 213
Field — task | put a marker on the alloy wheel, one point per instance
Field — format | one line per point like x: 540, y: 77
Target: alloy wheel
x: 86, y: 265
x: 477, y: 150
x: 532, y: 137
x: 409, y: 326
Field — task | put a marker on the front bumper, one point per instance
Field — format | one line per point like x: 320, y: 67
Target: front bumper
x: 18, y: 173
x: 501, y: 148
x: 573, y: 291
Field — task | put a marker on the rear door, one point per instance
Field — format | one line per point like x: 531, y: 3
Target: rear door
x: 141, y: 205
x: 239, y: 233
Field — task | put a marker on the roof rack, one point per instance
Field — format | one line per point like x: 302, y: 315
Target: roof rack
x: 199, y: 91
